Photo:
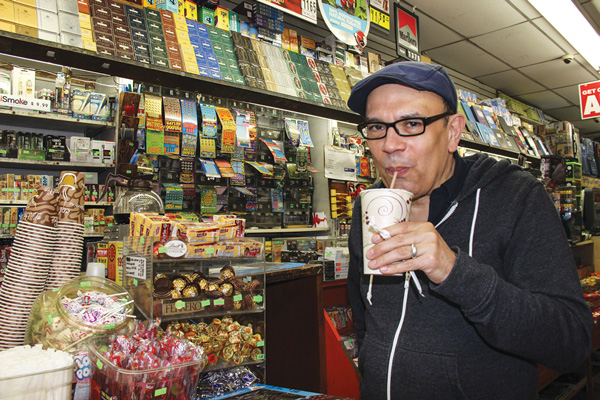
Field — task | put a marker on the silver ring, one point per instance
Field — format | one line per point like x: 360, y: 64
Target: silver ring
x: 414, y: 250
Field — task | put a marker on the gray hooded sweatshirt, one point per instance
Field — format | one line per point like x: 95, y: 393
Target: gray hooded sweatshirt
x: 512, y: 300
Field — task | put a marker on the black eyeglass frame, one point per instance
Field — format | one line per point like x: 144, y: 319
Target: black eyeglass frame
x: 388, y: 125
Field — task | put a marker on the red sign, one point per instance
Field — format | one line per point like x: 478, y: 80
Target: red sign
x: 589, y: 99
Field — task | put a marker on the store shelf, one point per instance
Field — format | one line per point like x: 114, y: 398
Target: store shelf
x: 57, y: 53
x: 53, y: 165
x: 278, y: 231
x: 59, y: 122
x: 24, y: 202
x: 497, y: 150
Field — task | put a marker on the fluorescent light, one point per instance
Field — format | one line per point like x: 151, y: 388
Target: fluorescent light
x: 575, y: 28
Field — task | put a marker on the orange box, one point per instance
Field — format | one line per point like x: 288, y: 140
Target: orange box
x: 83, y: 6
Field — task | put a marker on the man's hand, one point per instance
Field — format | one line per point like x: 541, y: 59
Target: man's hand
x: 433, y: 256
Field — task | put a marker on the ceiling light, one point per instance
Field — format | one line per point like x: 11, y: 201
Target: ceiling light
x: 573, y: 26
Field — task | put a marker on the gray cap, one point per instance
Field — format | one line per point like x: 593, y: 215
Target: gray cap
x: 417, y: 75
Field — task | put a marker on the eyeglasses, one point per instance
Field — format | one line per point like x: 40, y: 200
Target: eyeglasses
x: 404, y: 127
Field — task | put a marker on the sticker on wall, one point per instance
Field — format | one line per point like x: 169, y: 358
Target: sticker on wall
x: 348, y: 20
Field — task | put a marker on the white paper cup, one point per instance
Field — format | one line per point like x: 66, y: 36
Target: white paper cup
x: 382, y: 207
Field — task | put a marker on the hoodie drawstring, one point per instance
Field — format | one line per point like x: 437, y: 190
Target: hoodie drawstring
x: 473, y: 222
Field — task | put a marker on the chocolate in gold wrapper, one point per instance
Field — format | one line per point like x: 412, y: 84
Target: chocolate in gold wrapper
x: 202, y: 283
x: 175, y: 294
x: 226, y: 289
x: 159, y: 276
x: 227, y: 272
x: 255, y: 354
x: 191, y: 290
x: 179, y: 283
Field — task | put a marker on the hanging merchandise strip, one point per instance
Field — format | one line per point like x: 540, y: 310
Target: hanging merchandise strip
x: 305, y: 139
x: 225, y: 168
x: 263, y: 168
x: 209, y: 121
x: 171, y: 143
x: 228, y: 131
x: 208, y: 148
x: 243, y: 122
x: 172, y: 109
x: 187, y: 170
x: 222, y: 199
x: 277, y: 199
x: 276, y: 148
x: 291, y: 128
x: 154, y: 127
x: 210, y: 168
x: 174, y: 196
x: 208, y: 204
x: 190, y: 128
x: 239, y: 179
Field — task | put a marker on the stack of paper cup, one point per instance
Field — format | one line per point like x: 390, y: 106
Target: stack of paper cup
x: 66, y: 261
x: 28, y: 266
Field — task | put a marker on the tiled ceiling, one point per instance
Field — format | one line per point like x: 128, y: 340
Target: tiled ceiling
x: 509, y: 46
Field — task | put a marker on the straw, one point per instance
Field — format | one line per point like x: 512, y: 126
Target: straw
x: 393, y: 180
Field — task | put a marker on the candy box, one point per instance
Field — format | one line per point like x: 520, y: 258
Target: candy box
x: 197, y: 232
x: 175, y: 382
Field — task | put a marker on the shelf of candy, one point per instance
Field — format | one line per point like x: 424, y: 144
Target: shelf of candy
x: 227, y: 342
x: 147, y: 364
x: 190, y: 292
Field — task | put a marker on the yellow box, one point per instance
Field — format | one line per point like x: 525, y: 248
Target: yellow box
x: 180, y: 22
x: 222, y: 18
x: 26, y: 2
x: 149, y: 3
x: 86, y: 35
x: 89, y: 45
x: 85, y: 21
x: 191, y: 67
x: 7, y: 10
x: 115, y: 262
x: 182, y: 36
x: 26, y: 15
x: 187, y: 52
x: 7, y: 26
x: 190, y: 10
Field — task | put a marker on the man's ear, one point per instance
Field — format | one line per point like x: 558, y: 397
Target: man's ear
x: 456, y: 125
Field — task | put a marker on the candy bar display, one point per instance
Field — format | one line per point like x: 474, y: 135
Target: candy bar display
x: 34, y: 373
x: 148, y: 364
x: 215, y: 383
x: 193, y: 291
x: 226, y: 342
x: 82, y: 307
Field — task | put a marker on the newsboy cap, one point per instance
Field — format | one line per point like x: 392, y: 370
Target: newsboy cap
x: 417, y: 75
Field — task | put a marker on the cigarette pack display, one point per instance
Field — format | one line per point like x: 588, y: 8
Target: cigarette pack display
x: 116, y: 8
x: 69, y: 6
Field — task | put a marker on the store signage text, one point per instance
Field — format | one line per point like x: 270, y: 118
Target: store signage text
x: 589, y: 99
x: 28, y: 103
x: 380, y: 19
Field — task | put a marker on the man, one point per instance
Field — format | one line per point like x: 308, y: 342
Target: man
x: 500, y: 289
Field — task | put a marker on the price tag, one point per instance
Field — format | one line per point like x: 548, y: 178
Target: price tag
x: 309, y: 9
x: 49, y: 319
x: 210, y: 250
x: 205, y: 303
x: 260, y: 357
x: 219, y: 302
x: 85, y: 284
x: 258, y: 298
x: 180, y: 304
x: 99, y: 364
x: 109, y: 326
x: 162, y: 250
x: 135, y: 282
x: 237, y: 297
x: 160, y: 392
x: 260, y: 343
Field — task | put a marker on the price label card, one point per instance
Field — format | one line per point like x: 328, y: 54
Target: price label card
x: 205, y: 303
x: 180, y: 304
x: 160, y: 392
x: 135, y: 267
x: 219, y: 302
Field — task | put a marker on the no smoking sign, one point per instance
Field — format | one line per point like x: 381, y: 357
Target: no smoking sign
x: 589, y: 100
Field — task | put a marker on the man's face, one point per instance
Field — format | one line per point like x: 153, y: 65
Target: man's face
x: 422, y: 162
